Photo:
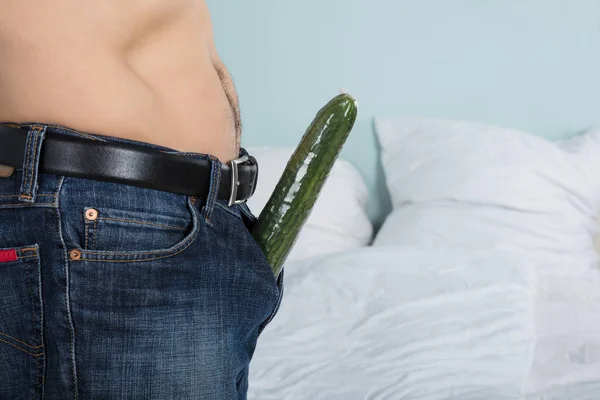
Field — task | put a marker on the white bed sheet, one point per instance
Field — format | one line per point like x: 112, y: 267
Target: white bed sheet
x: 418, y: 323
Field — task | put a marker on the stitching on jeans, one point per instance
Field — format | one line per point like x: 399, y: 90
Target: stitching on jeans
x: 67, y: 291
x: 17, y: 347
x: 16, y: 195
x: 26, y: 205
x: 82, y: 134
x: 59, y: 127
x: 142, y: 223
x: 207, y: 203
x: 30, y: 172
x: 277, y: 304
x: 41, y: 375
x: 41, y: 362
x: 186, y: 154
x: 125, y: 253
x: 215, y: 184
x: 30, y: 167
x: 87, y: 226
x: 145, y: 259
x: 86, y: 135
x: 20, y: 341
x: 34, y: 167
x: 26, y: 166
x: 32, y: 301
x: 216, y: 189
x: 211, y: 193
x: 227, y: 209
x: 29, y: 249
x: 95, y: 231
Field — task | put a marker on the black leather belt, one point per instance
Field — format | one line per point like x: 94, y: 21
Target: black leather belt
x: 132, y: 165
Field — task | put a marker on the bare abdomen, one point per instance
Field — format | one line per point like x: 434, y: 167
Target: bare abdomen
x: 142, y: 70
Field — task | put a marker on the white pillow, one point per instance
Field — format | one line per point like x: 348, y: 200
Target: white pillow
x: 338, y: 221
x: 469, y: 184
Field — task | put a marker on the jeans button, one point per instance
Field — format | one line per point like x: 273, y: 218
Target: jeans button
x: 75, y: 255
x: 91, y: 214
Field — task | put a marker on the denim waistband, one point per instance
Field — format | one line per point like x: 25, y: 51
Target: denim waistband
x: 28, y: 192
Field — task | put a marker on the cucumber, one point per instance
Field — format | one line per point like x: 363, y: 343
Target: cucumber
x: 285, y: 213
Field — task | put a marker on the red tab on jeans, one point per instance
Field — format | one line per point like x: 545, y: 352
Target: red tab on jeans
x: 8, y: 255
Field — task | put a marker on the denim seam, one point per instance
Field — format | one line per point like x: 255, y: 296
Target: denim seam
x: 20, y: 341
x: 186, y: 154
x: 57, y: 127
x: 94, y: 232
x: 227, y: 209
x: 85, y: 236
x: 16, y: 195
x: 67, y: 291
x: 41, y: 361
x: 33, y: 186
x: 137, y: 260
x: 215, y: 183
x: 26, y: 171
x: 41, y: 380
x: 218, y: 186
x: 32, y: 167
x: 277, y: 304
x: 25, y: 175
x: 138, y: 222
x: 34, y: 249
x: 26, y: 205
x: 17, y: 347
x: 21, y: 249
x: 246, y: 211
x: 82, y: 134
x: 32, y: 301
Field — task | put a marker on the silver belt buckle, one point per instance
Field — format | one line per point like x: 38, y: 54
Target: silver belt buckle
x: 235, y: 182
x: 6, y: 171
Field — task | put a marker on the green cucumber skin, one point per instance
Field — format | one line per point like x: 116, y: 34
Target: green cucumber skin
x: 281, y: 220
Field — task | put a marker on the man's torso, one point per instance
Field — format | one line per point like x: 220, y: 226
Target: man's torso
x: 138, y: 69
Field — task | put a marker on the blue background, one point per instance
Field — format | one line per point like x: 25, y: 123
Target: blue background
x: 532, y: 65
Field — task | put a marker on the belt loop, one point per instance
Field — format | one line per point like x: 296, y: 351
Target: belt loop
x: 31, y: 162
x: 215, y: 184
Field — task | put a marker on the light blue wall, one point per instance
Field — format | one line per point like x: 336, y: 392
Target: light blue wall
x: 525, y: 64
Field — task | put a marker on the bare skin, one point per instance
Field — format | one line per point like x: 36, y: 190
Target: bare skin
x: 144, y: 70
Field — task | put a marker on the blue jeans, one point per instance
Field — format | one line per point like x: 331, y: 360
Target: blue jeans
x: 110, y: 291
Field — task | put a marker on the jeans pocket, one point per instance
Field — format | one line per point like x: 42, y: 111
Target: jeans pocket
x: 21, y: 323
x: 121, y: 235
x: 124, y: 230
x: 277, y: 304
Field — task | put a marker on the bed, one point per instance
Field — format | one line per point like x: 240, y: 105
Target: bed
x: 482, y: 283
